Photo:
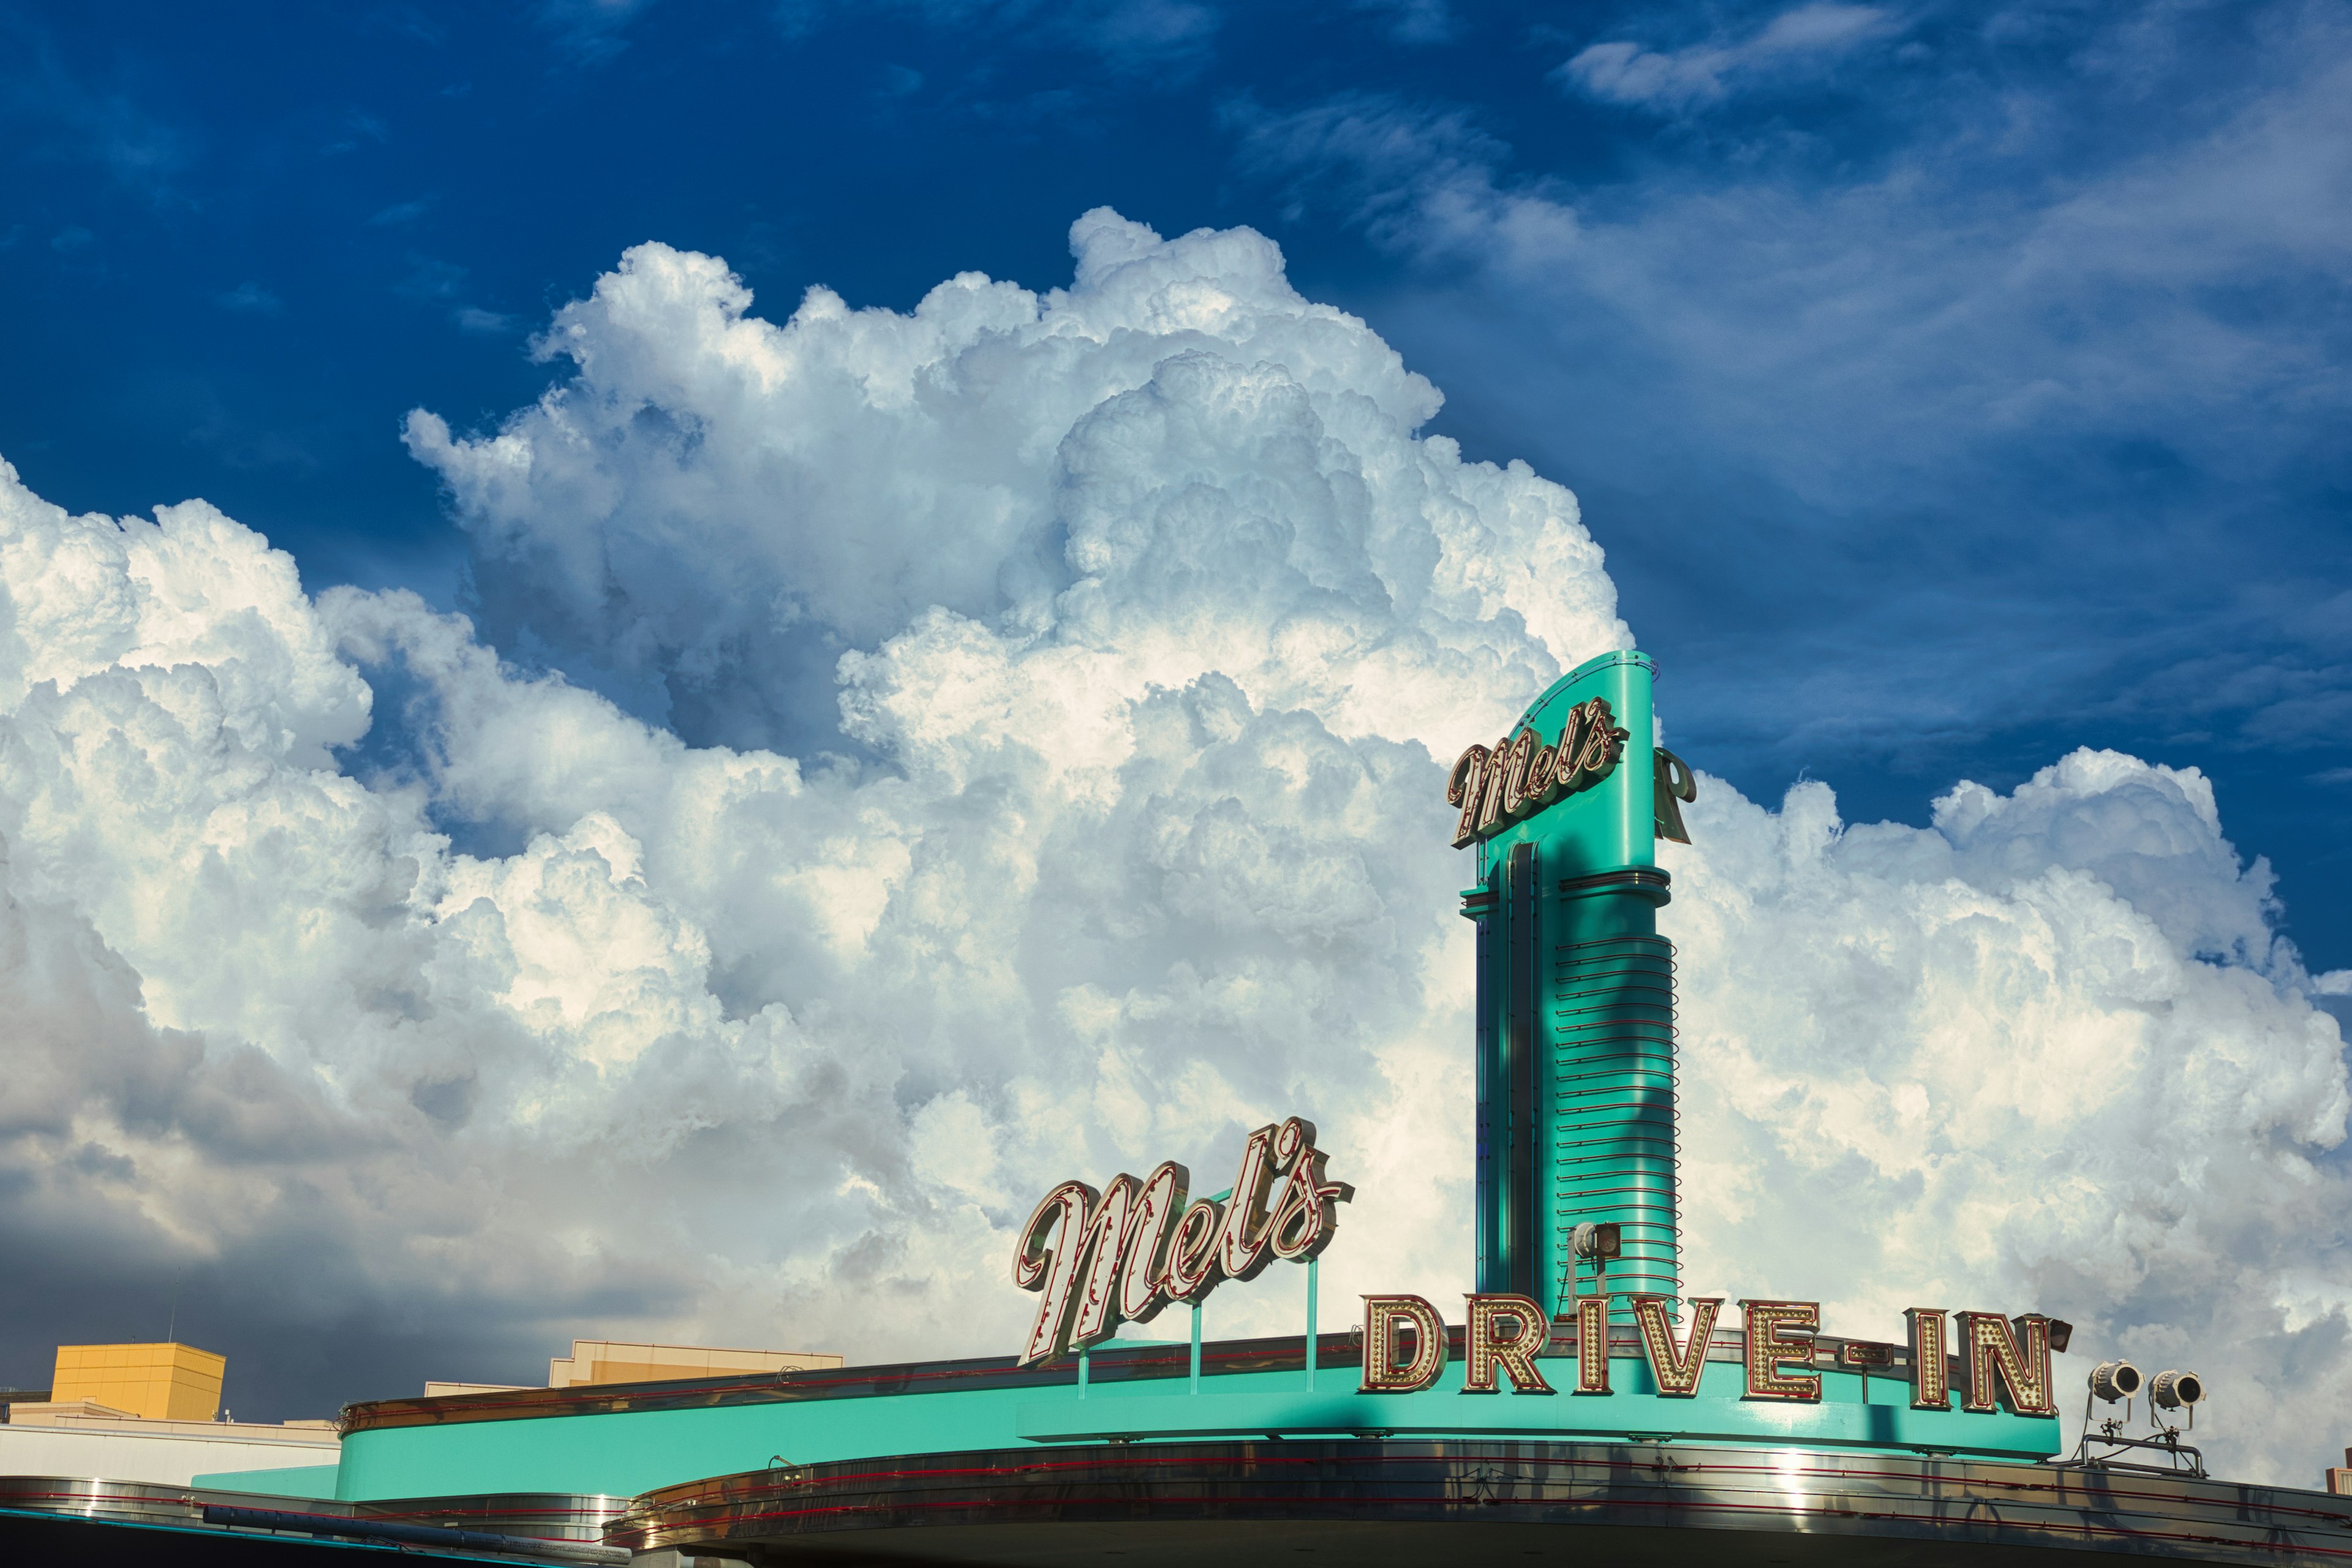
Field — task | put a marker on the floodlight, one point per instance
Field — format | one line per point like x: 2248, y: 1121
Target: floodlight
x: 2114, y: 1380
x: 1599, y: 1241
x: 2177, y: 1390
x: 2061, y: 1334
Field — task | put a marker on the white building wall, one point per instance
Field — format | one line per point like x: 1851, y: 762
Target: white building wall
x: 161, y: 1458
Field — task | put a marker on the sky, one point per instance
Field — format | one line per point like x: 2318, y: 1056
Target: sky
x: 775, y: 626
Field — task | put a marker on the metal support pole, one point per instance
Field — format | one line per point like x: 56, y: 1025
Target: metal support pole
x: 1196, y: 1347
x: 1082, y: 1372
x: 1225, y: 1196
x: 1310, y: 1323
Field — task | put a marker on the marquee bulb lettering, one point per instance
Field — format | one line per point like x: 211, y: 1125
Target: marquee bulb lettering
x: 1504, y: 1333
x: 1392, y: 1363
x: 1675, y: 1368
x: 1931, y: 1374
x: 2001, y: 1369
x: 2005, y: 1360
x: 1776, y: 1332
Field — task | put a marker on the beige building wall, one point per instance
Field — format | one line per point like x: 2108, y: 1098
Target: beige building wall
x: 615, y: 1361
x: 436, y: 1390
x: 158, y: 1381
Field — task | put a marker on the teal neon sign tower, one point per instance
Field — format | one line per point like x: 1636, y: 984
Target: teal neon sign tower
x: 1575, y: 991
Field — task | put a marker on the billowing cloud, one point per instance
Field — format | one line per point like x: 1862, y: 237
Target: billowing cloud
x: 715, y: 508
x: 2047, y: 1048
x: 1026, y: 762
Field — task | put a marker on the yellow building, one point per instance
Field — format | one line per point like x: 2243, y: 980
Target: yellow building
x: 158, y: 1381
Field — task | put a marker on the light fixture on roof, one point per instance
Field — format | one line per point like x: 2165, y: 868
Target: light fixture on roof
x: 2107, y: 1447
x: 2114, y: 1380
x: 2178, y: 1391
x: 1590, y: 1243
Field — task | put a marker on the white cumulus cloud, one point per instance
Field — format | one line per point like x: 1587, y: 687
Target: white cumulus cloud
x: 1026, y: 763
x: 714, y: 508
x: 2046, y: 1049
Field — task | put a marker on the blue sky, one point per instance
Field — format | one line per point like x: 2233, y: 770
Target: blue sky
x: 1951, y: 386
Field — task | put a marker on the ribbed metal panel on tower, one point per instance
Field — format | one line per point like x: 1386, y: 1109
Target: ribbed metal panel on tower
x: 1613, y: 1141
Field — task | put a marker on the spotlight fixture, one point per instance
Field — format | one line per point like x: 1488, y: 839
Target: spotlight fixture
x: 2114, y: 1380
x: 1593, y: 1243
x: 2177, y: 1390
x: 2061, y: 1334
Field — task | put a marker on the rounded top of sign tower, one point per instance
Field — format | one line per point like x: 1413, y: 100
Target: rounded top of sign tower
x: 1623, y: 656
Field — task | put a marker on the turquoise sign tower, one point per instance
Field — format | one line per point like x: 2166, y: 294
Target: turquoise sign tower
x: 1576, y: 991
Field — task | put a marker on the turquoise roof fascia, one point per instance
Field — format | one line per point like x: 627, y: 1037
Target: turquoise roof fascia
x: 626, y: 1453
x: 313, y: 1483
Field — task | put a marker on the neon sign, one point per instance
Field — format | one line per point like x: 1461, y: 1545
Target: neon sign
x: 1100, y: 1258
x: 1519, y: 775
